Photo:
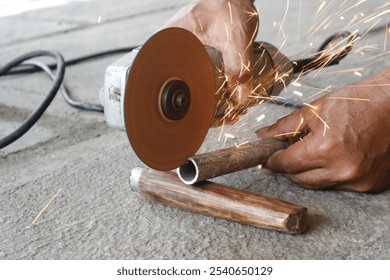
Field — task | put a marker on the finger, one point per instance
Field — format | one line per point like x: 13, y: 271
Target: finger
x: 297, y: 158
x: 287, y: 127
x: 317, y: 179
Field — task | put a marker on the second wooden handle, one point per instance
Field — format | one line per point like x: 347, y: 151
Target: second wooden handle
x: 219, y: 201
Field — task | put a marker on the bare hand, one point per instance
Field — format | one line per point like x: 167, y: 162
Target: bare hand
x: 348, y: 148
x: 230, y: 27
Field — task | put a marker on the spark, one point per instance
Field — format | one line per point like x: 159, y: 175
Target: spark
x: 311, y: 106
x: 350, y: 7
x: 222, y: 127
x: 251, y: 14
x: 260, y: 118
x: 231, y: 136
x: 99, y: 19
x: 350, y: 98
x: 47, y: 205
x: 299, y: 19
x: 372, y: 17
x: 281, y: 30
x: 326, y: 126
x: 244, y: 67
x: 342, y: 71
x: 327, y: 89
x: 298, y: 127
x: 296, y: 84
x: 320, y: 8
x: 250, y: 43
x: 285, y: 134
x: 200, y: 24
x: 298, y: 93
x: 260, y: 166
x: 227, y: 33
x: 367, y: 85
x: 228, y: 136
x: 375, y: 56
x: 387, y: 31
x: 358, y: 74
x: 230, y: 12
x: 284, y: 17
x: 241, y: 144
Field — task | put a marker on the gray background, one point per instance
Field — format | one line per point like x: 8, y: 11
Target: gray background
x: 96, y: 216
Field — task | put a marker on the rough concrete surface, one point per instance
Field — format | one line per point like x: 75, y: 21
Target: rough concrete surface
x: 95, y: 215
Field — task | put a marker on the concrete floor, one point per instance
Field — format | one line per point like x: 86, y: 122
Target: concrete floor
x: 96, y: 216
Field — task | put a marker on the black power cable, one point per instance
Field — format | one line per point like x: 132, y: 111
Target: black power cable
x: 23, y: 65
x: 73, y: 61
x: 64, y: 90
x: 37, y: 113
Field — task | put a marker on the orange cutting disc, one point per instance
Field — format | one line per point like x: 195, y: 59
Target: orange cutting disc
x: 173, y: 54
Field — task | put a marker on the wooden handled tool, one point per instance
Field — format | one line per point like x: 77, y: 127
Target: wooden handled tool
x: 216, y: 163
x: 219, y: 201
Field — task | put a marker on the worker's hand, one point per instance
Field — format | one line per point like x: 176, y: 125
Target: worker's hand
x: 229, y: 26
x: 345, y: 143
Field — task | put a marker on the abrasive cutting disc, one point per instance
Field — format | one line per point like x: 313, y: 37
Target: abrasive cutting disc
x: 170, y: 55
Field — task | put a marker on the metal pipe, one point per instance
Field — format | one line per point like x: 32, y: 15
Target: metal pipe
x: 221, y: 162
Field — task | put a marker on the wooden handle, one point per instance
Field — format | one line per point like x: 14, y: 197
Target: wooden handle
x: 217, y: 163
x: 219, y: 201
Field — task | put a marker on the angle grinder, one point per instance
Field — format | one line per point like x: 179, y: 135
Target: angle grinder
x: 169, y: 92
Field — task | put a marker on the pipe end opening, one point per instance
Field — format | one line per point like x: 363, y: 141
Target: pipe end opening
x: 188, y: 172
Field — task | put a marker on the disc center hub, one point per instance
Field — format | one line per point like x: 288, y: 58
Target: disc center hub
x: 175, y: 100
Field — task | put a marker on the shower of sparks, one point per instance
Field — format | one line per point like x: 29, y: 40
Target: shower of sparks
x: 326, y: 126
x: 47, y: 205
x: 329, y: 15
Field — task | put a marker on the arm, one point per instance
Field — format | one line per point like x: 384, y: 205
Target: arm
x: 229, y: 26
x: 349, y: 149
